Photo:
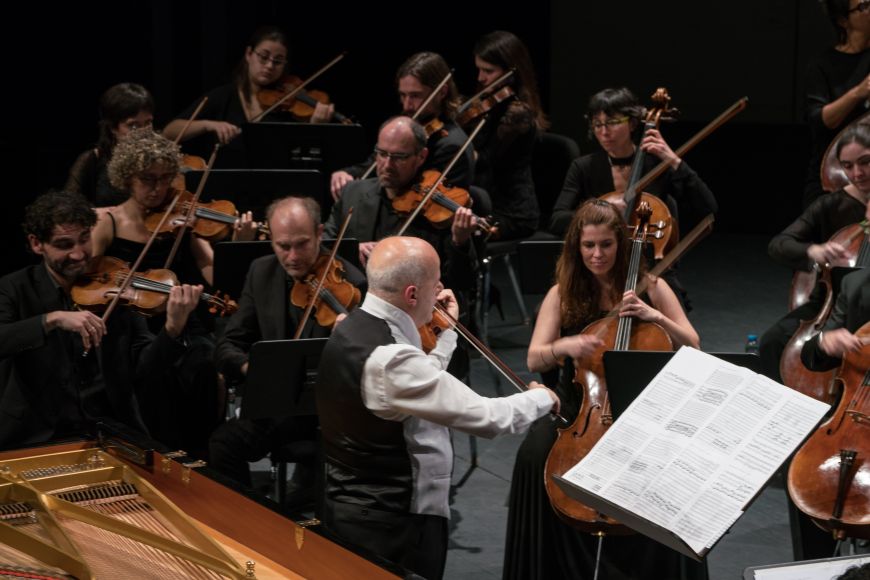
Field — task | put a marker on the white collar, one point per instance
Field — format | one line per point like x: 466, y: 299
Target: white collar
x: 400, y: 322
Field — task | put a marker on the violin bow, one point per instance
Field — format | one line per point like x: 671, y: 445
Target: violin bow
x: 723, y: 118
x: 310, y: 306
x: 192, y: 118
x: 298, y: 89
x: 486, y: 353
x: 417, y: 113
x: 191, y: 209
x: 491, y: 88
x: 440, y: 179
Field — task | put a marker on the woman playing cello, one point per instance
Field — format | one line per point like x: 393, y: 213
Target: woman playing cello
x: 615, y: 118
x: 590, y: 276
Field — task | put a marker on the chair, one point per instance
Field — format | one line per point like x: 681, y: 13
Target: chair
x: 550, y: 161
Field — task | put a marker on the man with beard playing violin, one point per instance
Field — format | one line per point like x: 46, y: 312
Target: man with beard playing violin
x: 416, y: 78
x: 267, y: 313
x: 49, y: 389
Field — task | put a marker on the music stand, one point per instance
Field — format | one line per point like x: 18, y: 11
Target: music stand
x: 233, y: 259
x: 628, y: 372
x: 254, y: 189
x: 821, y: 569
x: 322, y: 146
x: 537, y: 264
x: 281, y: 378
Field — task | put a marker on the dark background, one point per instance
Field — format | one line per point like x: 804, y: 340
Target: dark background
x: 59, y: 59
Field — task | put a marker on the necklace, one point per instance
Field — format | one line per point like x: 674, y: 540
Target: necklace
x: 621, y: 161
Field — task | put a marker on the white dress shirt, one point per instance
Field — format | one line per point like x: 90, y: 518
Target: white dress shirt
x: 402, y: 383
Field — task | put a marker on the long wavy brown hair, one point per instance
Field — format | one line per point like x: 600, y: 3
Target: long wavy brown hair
x: 579, y: 291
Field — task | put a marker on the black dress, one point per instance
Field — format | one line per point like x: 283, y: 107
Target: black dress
x: 540, y: 546
x: 89, y: 176
x: 829, y: 77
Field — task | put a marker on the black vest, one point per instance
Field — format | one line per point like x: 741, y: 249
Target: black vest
x: 367, y: 461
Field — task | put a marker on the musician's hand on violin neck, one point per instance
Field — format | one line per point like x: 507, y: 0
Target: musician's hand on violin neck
x: 225, y: 132
x: 365, y: 249
x: 463, y: 226
x: 557, y: 404
x: 447, y: 301
x: 245, y: 228
x: 323, y: 113
x: 182, y: 301
x: 836, y: 343
x: 826, y: 253
x: 337, y: 182
x: 86, y: 324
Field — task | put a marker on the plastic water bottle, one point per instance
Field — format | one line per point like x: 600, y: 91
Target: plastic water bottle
x: 751, y: 344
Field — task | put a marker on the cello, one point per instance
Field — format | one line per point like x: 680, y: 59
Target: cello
x: 829, y: 477
x: 794, y: 374
x: 665, y: 226
x: 594, y: 417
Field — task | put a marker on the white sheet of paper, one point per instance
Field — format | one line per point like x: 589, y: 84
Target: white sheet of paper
x: 696, y: 445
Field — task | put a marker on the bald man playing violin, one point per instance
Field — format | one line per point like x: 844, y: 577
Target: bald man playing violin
x: 386, y: 409
x: 416, y: 80
x: 401, y: 153
x: 49, y: 389
x: 267, y: 313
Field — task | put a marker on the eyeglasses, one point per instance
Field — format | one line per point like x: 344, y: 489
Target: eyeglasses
x: 265, y: 57
x: 151, y: 181
x: 611, y: 123
x: 862, y: 6
x: 394, y: 156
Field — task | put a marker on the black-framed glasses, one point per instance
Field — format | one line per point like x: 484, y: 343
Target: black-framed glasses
x: 265, y: 57
x: 616, y: 121
x: 381, y: 154
x: 861, y: 6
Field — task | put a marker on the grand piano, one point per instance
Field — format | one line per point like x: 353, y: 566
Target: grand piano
x: 113, y: 507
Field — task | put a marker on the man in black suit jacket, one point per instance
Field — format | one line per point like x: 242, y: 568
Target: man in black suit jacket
x: 401, y: 153
x: 48, y: 389
x: 266, y: 313
x: 826, y: 350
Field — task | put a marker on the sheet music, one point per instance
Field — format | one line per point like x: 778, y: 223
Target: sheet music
x: 696, y: 445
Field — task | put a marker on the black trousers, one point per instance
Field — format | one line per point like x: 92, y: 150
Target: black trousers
x: 239, y: 441
x: 775, y: 339
x: 416, y: 542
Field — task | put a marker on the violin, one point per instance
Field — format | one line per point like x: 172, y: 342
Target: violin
x: 300, y: 106
x: 430, y: 331
x: 480, y: 107
x: 188, y: 163
x: 829, y: 477
x: 337, y: 295
x: 213, y: 220
x: 793, y: 372
x: 484, y: 101
x: 147, y: 292
x: 442, y: 205
x: 594, y: 417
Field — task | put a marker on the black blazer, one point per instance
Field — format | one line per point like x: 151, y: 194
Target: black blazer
x: 264, y: 311
x: 32, y: 362
x: 851, y: 312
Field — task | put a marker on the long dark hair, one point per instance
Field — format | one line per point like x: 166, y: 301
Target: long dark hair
x: 506, y: 51
x: 262, y: 34
x: 118, y: 103
x: 430, y: 69
x: 579, y: 291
